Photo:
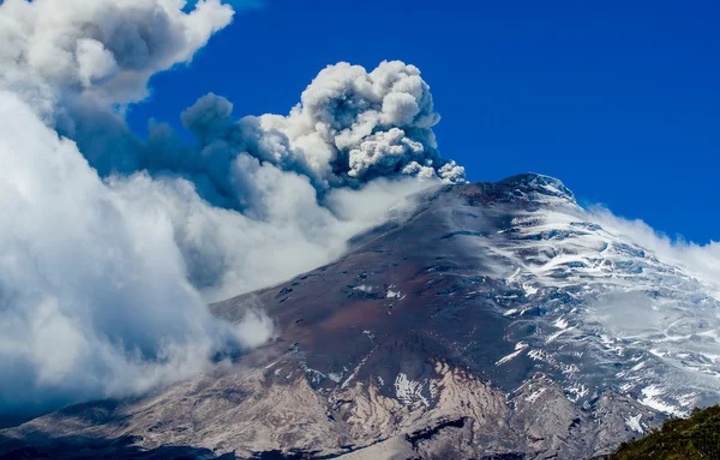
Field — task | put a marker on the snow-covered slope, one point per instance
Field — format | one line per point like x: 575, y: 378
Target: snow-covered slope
x: 605, y: 311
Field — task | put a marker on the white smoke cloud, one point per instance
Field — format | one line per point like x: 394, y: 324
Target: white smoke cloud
x: 701, y: 261
x: 92, y: 286
x: 57, y: 54
x: 113, y: 245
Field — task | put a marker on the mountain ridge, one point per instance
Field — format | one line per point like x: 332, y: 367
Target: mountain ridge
x: 468, y: 325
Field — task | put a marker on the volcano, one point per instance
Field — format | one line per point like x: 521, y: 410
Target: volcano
x: 487, y: 321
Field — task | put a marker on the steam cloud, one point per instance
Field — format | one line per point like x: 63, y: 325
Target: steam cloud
x: 113, y: 245
x: 701, y: 261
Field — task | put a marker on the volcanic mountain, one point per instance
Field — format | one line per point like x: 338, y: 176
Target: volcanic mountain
x: 488, y: 321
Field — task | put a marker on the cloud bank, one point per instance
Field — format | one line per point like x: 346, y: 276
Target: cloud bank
x: 113, y: 245
x: 701, y: 261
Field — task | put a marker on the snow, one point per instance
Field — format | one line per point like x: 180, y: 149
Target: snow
x: 537, y: 355
x: 352, y: 375
x: 633, y: 423
x: 552, y: 189
x: 512, y: 277
x: 617, y: 294
x: 554, y: 336
x: 529, y: 289
x: 535, y: 395
x: 561, y: 323
x: 519, y: 348
x: 409, y: 392
x: 313, y: 375
x: 587, y: 302
x: 577, y: 392
x: 651, y: 398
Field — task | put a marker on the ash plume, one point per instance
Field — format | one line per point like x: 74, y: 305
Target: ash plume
x: 113, y: 245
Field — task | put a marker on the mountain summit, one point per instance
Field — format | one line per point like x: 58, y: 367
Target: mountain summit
x: 490, y: 320
x: 535, y: 187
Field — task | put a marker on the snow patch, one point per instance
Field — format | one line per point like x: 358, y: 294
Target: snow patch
x: 314, y: 375
x: 392, y: 293
x: 651, y: 399
x: 552, y: 337
x: 576, y: 392
x: 561, y: 323
x: 535, y: 395
x: 529, y: 289
x: 634, y: 423
x: 519, y: 348
x: 409, y: 392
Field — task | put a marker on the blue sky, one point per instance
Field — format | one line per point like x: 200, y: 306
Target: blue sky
x: 620, y: 100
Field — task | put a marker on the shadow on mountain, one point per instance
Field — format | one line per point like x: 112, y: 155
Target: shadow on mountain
x: 11, y: 420
x: 84, y: 448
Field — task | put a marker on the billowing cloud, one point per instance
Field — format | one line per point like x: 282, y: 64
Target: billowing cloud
x: 92, y: 285
x: 113, y: 245
x: 57, y: 54
x: 352, y: 126
x: 700, y: 261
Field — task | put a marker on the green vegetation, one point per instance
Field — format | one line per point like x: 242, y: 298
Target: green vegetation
x: 694, y: 438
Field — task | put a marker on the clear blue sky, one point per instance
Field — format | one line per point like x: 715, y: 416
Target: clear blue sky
x: 620, y: 100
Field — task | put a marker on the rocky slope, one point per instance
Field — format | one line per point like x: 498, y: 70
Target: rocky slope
x: 694, y: 438
x: 492, y: 322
